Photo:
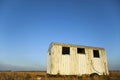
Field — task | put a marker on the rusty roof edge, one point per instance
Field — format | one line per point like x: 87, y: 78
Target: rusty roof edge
x: 74, y: 45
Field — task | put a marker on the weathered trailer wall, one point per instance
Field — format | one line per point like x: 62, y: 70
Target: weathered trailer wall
x: 73, y: 61
x: 97, y: 65
x: 49, y: 63
x: 104, y: 58
x: 75, y: 64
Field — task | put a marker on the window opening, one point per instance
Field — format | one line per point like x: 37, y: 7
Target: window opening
x: 96, y: 53
x: 65, y: 50
x: 80, y: 50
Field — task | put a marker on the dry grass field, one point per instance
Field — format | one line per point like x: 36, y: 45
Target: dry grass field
x: 41, y: 75
x: 114, y: 75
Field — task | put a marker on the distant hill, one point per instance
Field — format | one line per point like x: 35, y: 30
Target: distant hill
x: 5, y: 67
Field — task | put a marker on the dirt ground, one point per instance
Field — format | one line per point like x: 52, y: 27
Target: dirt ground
x: 41, y: 75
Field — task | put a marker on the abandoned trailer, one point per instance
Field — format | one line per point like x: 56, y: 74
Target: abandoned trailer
x: 70, y: 59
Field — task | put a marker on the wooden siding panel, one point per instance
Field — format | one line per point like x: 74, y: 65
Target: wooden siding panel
x: 82, y: 66
x: 48, y: 64
x: 73, y: 61
x: 97, y: 64
x: 104, y: 58
x: 65, y: 66
x: 56, y: 59
x: 88, y: 60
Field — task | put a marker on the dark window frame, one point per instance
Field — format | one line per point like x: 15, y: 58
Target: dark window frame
x: 65, y: 50
x: 81, y: 50
x: 96, y: 54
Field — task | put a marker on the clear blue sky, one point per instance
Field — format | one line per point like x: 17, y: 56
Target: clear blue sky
x: 27, y: 27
